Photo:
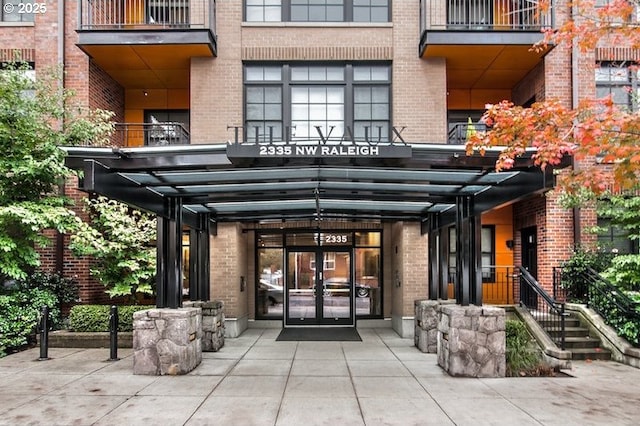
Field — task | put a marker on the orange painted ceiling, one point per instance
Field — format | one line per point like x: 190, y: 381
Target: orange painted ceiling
x: 486, y: 66
x: 147, y: 66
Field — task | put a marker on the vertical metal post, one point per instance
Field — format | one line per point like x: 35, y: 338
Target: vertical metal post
x: 113, y: 333
x: 44, y: 334
x: 444, y: 263
x: 433, y: 258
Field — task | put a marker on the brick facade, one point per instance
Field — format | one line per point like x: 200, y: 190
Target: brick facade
x: 420, y: 101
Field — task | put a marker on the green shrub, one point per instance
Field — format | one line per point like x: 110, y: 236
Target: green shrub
x: 576, y: 265
x: 523, y: 358
x: 20, y: 311
x: 95, y: 318
x: 65, y: 289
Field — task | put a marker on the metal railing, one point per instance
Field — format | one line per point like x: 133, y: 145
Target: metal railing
x: 613, y: 305
x: 497, y: 284
x: 146, y: 14
x: 152, y: 134
x: 545, y: 309
x: 484, y: 15
x: 459, y: 133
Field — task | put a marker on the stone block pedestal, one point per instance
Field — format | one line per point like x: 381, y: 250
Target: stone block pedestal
x: 167, y: 341
x: 471, y: 341
x: 426, y: 323
x: 212, y: 324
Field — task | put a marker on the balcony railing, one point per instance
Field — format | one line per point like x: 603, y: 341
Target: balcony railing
x: 146, y: 14
x: 497, y: 284
x: 459, y: 133
x: 483, y: 15
x: 152, y: 134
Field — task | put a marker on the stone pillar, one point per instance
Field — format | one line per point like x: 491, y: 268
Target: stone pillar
x: 471, y: 341
x: 212, y: 324
x: 167, y: 341
x: 427, y: 314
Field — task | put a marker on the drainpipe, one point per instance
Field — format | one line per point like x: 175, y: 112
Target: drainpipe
x: 575, y: 98
x: 61, y: 187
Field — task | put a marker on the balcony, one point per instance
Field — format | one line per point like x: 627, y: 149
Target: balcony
x: 152, y: 134
x: 147, y: 43
x: 486, y: 42
x: 459, y: 132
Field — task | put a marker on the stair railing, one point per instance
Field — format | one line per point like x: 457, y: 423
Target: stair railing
x: 549, y: 313
x: 612, y: 304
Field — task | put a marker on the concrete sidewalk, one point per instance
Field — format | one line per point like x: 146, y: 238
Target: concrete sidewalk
x: 255, y: 380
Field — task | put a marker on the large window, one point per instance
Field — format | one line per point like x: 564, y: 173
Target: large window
x: 611, y: 238
x: 619, y: 81
x: 317, y: 10
x: 294, y: 101
x: 18, y: 10
x: 488, y: 248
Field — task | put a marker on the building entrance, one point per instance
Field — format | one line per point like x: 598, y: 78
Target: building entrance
x: 319, y: 287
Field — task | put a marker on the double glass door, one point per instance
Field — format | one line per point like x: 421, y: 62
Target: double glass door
x: 319, y: 288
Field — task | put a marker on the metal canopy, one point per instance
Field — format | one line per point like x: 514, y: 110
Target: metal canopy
x: 206, y: 181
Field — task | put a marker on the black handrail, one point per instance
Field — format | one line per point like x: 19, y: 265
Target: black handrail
x: 612, y: 304
x: 548, y: 312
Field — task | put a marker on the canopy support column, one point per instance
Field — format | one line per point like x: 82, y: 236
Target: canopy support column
x: 169, y: 256
x: 199, y: 259
x: 434, y: 251
x: 469, y: 255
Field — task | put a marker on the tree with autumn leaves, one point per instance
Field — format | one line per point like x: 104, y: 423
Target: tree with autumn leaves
x: 603, y: 138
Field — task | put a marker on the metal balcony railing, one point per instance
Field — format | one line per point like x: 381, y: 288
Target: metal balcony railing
x: 459, y: 133
x: 497, y: 284
x: 146, y: 14
x: 152, y: 134
x: 484, y: 15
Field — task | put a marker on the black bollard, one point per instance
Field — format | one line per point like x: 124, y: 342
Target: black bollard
x: 44, y: 334
x: 113, y: 333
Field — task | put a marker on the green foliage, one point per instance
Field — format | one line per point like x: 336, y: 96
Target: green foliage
x: 624, y: 272
x: 65, y: 289
x: 20, y: 310
x: 120, y: 240
x: 576, y: 265
x: 32, y: 165
x: 522, y: 355
x: 623, y: 212
x: 95, y: 318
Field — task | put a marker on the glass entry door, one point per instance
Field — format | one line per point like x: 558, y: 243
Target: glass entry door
x: 319, y: 288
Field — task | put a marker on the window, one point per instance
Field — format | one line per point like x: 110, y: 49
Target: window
x: 12, y: 11
x: 612, y: 238
x: 620, y: 82
x: 488, y: 249
x: 317, y: 10
x: 296, y: 100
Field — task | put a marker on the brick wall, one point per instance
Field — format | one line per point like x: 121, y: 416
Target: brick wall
x: 228, y: 265
x: 216, y: 84
x: 554, y: 233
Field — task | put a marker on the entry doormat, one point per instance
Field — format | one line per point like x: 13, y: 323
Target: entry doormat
x: 320, y: 334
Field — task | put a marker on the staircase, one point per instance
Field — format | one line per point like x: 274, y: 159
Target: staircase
x: 578, y: 340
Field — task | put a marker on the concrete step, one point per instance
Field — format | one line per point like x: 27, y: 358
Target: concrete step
x: 570, y: 332
x: 600, y: 354
x: 581, y: 342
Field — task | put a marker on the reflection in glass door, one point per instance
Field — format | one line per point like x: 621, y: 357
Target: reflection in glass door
x: 319, y: 288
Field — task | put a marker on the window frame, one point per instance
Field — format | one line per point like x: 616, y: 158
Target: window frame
x: 630, y: 85
x: 287, y: 83
x: 348, y: 9
x: 31, y: 17
x: 487, y: 277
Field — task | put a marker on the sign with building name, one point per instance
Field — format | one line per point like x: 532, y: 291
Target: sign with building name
x: 323, y: 147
